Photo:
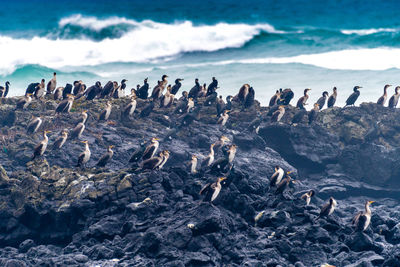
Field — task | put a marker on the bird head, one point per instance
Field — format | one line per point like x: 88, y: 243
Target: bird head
x: 194, y: 157
x: 325, y: 93
x: 111, y: 146
x: 47, y: 131
x: 224, y: 139
x: 85, y: 142
x: 370, y: 202
x: 221, y: 179
x: 154, y: 139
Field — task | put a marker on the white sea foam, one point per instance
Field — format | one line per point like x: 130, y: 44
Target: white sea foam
x: 368, y: 31
x: 147, y: 41
x: 352, y: 59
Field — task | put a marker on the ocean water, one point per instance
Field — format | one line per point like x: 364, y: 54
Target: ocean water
x: 268, y: 44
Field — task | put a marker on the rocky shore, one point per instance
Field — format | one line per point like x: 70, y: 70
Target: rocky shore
x: 54, y: 214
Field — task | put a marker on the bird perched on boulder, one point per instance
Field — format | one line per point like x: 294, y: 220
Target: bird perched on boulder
x: 212, y: 190
x: 362, y: 219
x: 353, y: 97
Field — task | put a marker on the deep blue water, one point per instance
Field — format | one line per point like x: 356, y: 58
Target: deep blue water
x: 269, y: 44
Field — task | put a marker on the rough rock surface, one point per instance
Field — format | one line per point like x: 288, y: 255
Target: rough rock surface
x: 53, y: 214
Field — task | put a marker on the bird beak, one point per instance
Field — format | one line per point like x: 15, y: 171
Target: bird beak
x: 157, y: 139
x: 370, y: 202
x: 289, y: 172
x: 222, y: 178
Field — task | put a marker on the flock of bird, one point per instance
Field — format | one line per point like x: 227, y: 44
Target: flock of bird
x: 187, y: 105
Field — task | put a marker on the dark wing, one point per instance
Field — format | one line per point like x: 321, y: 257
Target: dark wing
x: 148, y: 152
x: 103, y: 160
x: 137, y: 154
x: 321, y: 102
x: 38, y: 148
x: 331, y: 101
x: 352, y: 99
x: 80, y: 159
x: 62, y: 106
x: 205, y: 189
x: 21, y: 103
x: 273, y: 179
x: 205, y: 161
x: 300, y: 102
x: 381, y: 100
x: 355, y: 219
x: 391, y: 102
x: 272, y: 101
x: 324, y: 210
x: 57, y: 143
x: 151, y: 163
x: 362, y: 220
x: 275, y: 116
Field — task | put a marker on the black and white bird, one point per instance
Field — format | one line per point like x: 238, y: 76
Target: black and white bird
x: 332, y: 98
x: 130, y: 108
x: 223, y: 118
x: 307, y: 196
x: 322, y: 100
x: 60, y: 141
x: 353, y: 97
x: 4, y: 90
x: 24, y: 102
x: 105, y: 114
x: 78, y: 130
x: 362, y: 220
x: 65, y: 105
x: 277, y: 176
x: 84, y: 157
x: 151, y: 149
x: 106, y: 157
x: 394, y: 99
x: 34, y: 125
x: 212, y: 190
x: 41, y: 147
x: 40, y: 90
x: 52, y: 84
x: 328, y: 208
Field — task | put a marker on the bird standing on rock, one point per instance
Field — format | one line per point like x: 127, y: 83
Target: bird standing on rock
x: 194, y: 92
x: 353, y: 97
x: 52, y: 84
x: 395, y: 98
x: 286, y: 96
x: 212, y: 87
x: 382, y: 100
x: 303, y: 100
x: 130, y: 108
x: 212, y: 190
x: 207, y: 161
x: 143, y: 91
x: 281, y: 187
x: 159, y: 88
x: 42, y: 146
x: 193, y: 165
x: 84, y: 157
x: 60, y: 141
x: 65, y: 105
x: 78, y: 130
x: 277, y: 115
x: 362, y: 219
x: 313, y: 113
x: 277, y: 176
x: 307, y: 196
x: 34, y: 125
x: 106, y: 157
x: 175, y: 88
x: 58, y: 93
x: 223, y: 118
x: 155, y: 162
x: 4, y: 90
x: 105, y: 114
x: 322, y: 100
x: 332, y: 98
x: 24, y: 102
x: 274, y: 98
x: 39, y: 90
x: 151, y: 149
x: 328, y: 208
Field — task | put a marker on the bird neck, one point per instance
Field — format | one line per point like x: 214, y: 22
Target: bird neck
x: 367, y: 209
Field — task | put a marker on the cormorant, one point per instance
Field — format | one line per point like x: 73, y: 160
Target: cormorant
x: 298, y: 117
x: 303, y: 100
x: 165, y: 157
x: 182, y: 103
x: 84, y: 157
x: 175, y: 88
x: 77, y: 87
x: 107, y: 89
x: 105, y: 114
x: 151, y: 149
x: 395, y: 98
x: 130, y: 108
x: 4, y: 90
x: 382, y: 100
x: 106, y: 157
x: 281, y: 187
x: 249, y: 100
x: 41, y: 147
x: 221, y: 142
x: 328, y: 208
x: 24, y: 102
x: 228, y: 105
x: 274, y: 99
x: 322, y: 100
x: 313, y: 113
x: 167, y: 99
x: 277, y: 115
x: 60, y: 141
x: 78, y: 130
x: 143, y: 92
x: 65, y: 105
x: 353, y: 97
x: 277, y: 176
x: 223, y: 118
x: 52, y: 84
x: 31, y: 88
x: 154, y: 162
x: 332, y: 98
x: 67, y: 90
x: 307, y: 196
x: 212, y: 87
x: 39, y: 90
x: 194, y: 92
x: 212, y: 190
x: 159, y: 88
x: 207, y: 161
x: 211, y: 99
x: 83, y: 117
x: 138, y: 153
x: 203, y: 91
x: 190, y: 105
x: 120, y: 91
x: 93, y: 91
x: 58, y: 93
x: 34, y: 125
x: 243, y: 91
x: 286, y: 96
x: 193, y: 164
x: 147, y: 109
x: 362, y: 219
x: 220, y: 105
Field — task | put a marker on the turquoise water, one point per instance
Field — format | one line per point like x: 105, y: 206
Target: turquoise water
x: 269, y: 44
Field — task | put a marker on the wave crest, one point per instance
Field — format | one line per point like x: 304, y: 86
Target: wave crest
x: 368, y: 31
